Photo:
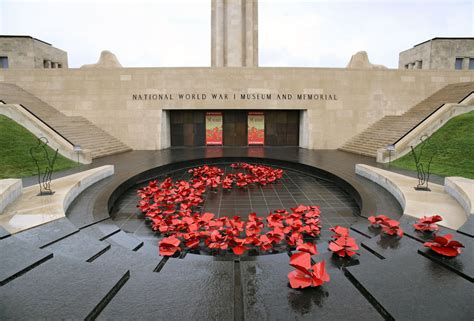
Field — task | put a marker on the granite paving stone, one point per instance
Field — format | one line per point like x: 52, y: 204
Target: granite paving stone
x: 18, y: 257
x: 268, y: 296
x: 463, y: 264
x: 125, y: 240
x: 59, y: 289
x: 133, y: 261
x: 45, y: 234
x: 79, y: 246
x: 388, y: 246
x: 103, y: 229
x: 182, y: 290
x: 150, y: 248
x: 412, y: 287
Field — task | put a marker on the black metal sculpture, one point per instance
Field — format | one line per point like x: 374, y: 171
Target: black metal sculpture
x: 422, y: 172
x: 40, y: 156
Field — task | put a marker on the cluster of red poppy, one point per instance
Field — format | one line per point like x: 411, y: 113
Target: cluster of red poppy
x: 170, y: 206
x: 342, y: 245
x: 428, y: 223
x: 445, y: 245
x: 388, y: 225
x: 442, y: 244
x: 306, y: 273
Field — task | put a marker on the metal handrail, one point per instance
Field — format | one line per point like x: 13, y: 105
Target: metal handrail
x: 42, y: 121
x: 422, y: 121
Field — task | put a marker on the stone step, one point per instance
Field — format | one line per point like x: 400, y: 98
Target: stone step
x: 108, y: 153
x: 391, y: 128
x: 78, y: 130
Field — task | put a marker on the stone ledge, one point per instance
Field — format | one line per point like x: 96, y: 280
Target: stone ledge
x: 462, y: 189
x: 10, y: 190
x: 31, y: 210
x: 417, y: 203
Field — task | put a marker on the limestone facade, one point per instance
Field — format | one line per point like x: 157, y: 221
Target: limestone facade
x: 439, y: 53
x: 234, y: 33
x: 25, y: 52
x: 133, y: 104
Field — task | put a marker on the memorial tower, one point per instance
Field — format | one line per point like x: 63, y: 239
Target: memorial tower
x: 234, y: 40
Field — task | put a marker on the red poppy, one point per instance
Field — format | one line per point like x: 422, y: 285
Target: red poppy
x: 339, y: 231
x: 445, y: 245
x: 428, y: 223
x: 306, y: 275
x: 308, y: 248
x: 169, y: 246
x: 378, y: 220
x: 344, y: 246
x: 392, y: 227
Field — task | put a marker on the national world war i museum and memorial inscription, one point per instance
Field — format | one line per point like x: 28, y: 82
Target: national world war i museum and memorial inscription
x: 236, y: 192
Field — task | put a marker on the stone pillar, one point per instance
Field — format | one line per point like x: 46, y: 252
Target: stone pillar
x: 234, y: 39
x: 465, y: 63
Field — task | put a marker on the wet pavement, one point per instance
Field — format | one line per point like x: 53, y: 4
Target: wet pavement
x: 86, y: 267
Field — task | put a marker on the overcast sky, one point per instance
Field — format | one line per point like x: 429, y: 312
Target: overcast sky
x: 318, y: 33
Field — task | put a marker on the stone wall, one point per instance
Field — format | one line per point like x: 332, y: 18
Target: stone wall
x: 26, y: 53
x: 438, y: 54
x: 345, y: 101
x: 408, y: 58
x: 444, y: 53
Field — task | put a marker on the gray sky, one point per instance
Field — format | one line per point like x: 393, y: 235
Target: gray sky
x: 317, y: 33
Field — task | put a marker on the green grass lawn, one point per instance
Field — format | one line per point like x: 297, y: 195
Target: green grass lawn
x: 15, y: 144
x: 454, y: 143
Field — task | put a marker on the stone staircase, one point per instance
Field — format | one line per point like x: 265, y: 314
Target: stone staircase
x: 389, y: 129
x: 77, y: 130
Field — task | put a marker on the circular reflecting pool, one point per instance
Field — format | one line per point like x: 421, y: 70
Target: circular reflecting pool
x: 295, y: 188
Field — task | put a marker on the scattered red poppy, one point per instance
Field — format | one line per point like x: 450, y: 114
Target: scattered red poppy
x: 445, y: 245
x: 388, y: 225
x: 306, y: 275
x: 428, y: 223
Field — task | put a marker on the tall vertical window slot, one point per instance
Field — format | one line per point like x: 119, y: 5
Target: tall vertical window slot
x: 3, y: 62
x: 471, y: 63
x: 458, y: 63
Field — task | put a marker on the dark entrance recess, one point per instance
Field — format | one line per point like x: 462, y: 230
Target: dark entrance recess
x: 235, y: 128
x: 282, y: 127
x: 188, y: 127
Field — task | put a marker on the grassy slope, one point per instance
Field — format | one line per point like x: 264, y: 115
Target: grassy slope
x: 455, y: 145
x: 15, y: 144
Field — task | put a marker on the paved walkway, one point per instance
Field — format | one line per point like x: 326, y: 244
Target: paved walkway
x: 418, y: 203
x: 31, y: 209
